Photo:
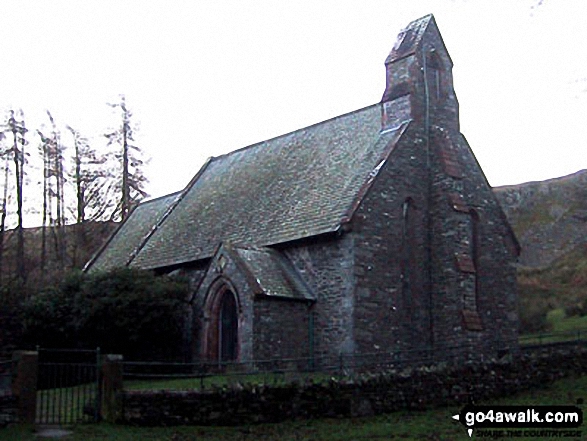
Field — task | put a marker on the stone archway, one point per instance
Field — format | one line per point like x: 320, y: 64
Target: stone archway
x: 222, y: 333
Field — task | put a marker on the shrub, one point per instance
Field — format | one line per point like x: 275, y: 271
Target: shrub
x: 125, y: 311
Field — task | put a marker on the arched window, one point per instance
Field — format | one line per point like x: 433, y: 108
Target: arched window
x: 475, y: 248
x: 407, y: 252
x: 435, y: 75
x: 471, y: 316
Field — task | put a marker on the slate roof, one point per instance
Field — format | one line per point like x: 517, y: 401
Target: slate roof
x: 274, y: 275
x: 130, y: 235
x: 298, y: 185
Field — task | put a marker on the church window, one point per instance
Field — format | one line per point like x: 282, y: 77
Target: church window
x: 471, y: 317
x: 475, y: 251
x: 435, y: 75
x: 407, y: 244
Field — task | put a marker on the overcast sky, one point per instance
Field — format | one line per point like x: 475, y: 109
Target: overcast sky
x: 207, y: 77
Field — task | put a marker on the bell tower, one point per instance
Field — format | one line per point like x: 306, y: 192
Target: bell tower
x: 419, y: 83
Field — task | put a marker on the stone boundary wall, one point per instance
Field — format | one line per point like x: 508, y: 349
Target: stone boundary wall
x: 8, y: 409
x: 363, y: 395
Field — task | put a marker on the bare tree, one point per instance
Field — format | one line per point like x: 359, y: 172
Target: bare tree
x: 94, y: 187
x: 132, y: 180
x: 53, y: 193
x: 5, y: 158
x: 93, y: 181
x: 44, y: 147
x: 16, y: 127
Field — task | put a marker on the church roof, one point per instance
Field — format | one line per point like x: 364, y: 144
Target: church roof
x: 129, y: 236
x: 295, y: 186
x: 273, y: 274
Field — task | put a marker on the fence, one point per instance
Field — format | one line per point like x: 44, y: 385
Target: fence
x: 52, y: 386
x: 56, y: 386
x: 164, y: 375
x: 558, y: 338
x: 68, y: 386
x: 362, y: 395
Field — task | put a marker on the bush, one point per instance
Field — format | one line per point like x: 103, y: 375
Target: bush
x: 126, y: 311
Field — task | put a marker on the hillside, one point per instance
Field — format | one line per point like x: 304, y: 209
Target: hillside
x: 549, y: 217
x: 81, y: 242
x: 560, y: 287
x: 550, y: 221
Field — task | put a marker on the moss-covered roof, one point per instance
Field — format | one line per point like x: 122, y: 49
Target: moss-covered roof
x: 295, y: 186
x: 298, y: 185
x: 274, y: 275
x: 130, y: 235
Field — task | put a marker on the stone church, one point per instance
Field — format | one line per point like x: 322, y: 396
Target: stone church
x: 375, y: 231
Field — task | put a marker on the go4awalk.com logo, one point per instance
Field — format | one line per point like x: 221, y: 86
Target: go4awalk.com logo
x: 538, y: 421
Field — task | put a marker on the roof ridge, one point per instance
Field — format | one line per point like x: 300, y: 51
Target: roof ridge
x: 276, y: 191
x: 283, y: 135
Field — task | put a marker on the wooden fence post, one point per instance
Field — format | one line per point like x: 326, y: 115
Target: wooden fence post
x: 24, y: 385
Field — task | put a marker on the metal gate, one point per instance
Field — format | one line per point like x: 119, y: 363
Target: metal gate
x: 68, y: 386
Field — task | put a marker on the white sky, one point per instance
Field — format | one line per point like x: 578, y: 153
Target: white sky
x: 207, y: 77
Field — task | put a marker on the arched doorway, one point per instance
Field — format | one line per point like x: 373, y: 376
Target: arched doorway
x: 220, y: 337
x: 228, y: 328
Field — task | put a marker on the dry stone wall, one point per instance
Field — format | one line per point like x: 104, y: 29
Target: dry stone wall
x: 362, y: 395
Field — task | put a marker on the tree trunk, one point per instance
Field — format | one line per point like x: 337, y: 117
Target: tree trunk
x: 125, y: 187
x: 44, y: 227
x: 3, y: 215
x: 19, y: 169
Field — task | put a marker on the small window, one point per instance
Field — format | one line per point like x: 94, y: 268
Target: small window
x: 407, y: 249
x: 435, y: 75
x: 475, y: 248
x: 471, y: 317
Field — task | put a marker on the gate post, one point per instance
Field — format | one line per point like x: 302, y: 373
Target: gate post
x: 24, y: 385
x: 112, y: 388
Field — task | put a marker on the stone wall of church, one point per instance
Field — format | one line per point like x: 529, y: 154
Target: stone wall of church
x: 389, y: 230
x: 434, y: 257
x: 475, y: 293
x: 326, y: 265
x: 473, y: 299
x: 282, y: 330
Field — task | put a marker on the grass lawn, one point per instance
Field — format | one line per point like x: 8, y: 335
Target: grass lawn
x: 51, y: 404
x: 563, y: 329
x: 435, y: 424
x: 561, y: 323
